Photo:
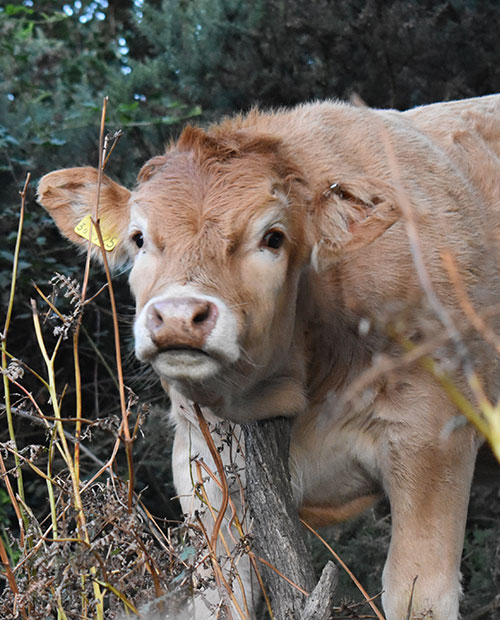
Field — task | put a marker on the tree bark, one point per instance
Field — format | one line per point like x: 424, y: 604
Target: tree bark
x: 276, y: 531
x: 319, y: 604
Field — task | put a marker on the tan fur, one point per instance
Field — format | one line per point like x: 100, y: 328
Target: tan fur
x: 318, y: 516
x: 313, y: 315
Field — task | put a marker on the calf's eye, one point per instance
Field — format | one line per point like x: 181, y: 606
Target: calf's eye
x: 273, y: 239
x: 138, y: 239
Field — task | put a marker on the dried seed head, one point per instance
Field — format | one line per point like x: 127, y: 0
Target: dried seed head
x: 14, y: 370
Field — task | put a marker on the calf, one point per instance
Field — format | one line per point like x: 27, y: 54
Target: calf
x: 272, y: 266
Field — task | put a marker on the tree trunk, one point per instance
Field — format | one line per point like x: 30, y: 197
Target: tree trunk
x: 277, y: 533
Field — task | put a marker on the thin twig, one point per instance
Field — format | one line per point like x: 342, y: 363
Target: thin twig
x: 213, y: 547
x: 475, y: 319
x: 280, y: 574
x: 69, y: 436
x: 23, y: 523
x: 368, y: 599
x: 220, y: 469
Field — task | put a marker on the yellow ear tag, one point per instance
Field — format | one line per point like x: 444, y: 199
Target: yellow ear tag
x: 83, y: 229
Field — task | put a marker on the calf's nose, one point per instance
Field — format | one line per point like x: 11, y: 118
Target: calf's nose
x: 181, y: 322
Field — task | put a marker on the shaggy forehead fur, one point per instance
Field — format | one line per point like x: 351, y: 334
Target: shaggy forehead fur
x: 211, y: 187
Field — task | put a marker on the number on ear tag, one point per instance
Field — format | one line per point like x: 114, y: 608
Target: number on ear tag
x: 83, y: 229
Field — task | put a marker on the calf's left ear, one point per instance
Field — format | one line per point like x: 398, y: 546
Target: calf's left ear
x: 347, y: 217
x: 70, y: 195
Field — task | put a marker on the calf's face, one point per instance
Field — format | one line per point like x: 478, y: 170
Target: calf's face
x: 218, y: 232
x: 216, y: 258
x: 216, y: 246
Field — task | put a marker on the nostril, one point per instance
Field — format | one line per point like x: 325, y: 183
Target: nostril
x: 155, y: 319
x: 202, y: 315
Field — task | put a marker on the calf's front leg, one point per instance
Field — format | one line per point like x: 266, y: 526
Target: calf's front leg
x: 428, y: 487
x: 201, y: 501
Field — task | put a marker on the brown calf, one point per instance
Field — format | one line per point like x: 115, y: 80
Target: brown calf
x: 271, y: 267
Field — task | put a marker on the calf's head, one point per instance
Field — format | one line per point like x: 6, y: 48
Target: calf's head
x: 217, y: 234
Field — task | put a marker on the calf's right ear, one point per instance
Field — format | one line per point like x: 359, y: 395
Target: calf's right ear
x: 70, y: 195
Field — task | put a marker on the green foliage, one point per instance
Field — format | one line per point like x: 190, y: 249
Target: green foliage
x: 227, y: 54
x: 55, y: 72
